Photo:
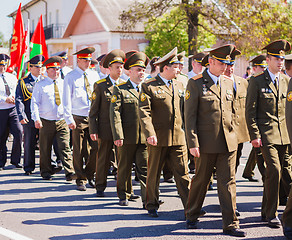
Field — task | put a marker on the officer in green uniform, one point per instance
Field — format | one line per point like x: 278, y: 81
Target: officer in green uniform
x: 287, y: 215
x: 99, y: 122
x: 212, y: 139
x: 126, y: 129
x: 239, y: 88
x: 265, y: 116
x: 259, y: 64
x: 161, y: 119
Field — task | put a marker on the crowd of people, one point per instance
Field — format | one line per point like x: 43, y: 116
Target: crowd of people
x: 162, y: 122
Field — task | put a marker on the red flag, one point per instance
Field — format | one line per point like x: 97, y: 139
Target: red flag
x: 38, y: 41
x: 24, y: 54
x: 17, y: 38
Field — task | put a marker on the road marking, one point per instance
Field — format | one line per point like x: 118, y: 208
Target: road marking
x: 12, y: 235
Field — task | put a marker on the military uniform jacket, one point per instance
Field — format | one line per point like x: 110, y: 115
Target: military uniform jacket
x: 124, y: 114
x: 239, y: 109
x: 289, y: 109
x: 23, y: 98
x: 161, y: 112
x: 265, y: 109
x: 99, y: 122
x: 209, y: 115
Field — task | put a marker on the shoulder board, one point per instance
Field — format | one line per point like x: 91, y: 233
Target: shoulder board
x: 197, y: 76
x: 258, y: 74
x: 101, y: 81
x: 184, y: 75
x: 123, y: 83
x: 150, y: 80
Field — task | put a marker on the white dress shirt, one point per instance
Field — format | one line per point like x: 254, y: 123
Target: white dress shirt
x: 213, y: 77
x: 43, y: 103
x: 273, y: 76
x: 12, y: 83
x: 75, y: 99
x: 191, y: 74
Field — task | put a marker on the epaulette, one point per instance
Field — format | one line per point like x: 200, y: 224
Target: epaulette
x: 258, y: 74
x: 123, y: 83
x: 197, y: 76
x: 101, y: 81
x: 184, y: 75
x: 150, y: 80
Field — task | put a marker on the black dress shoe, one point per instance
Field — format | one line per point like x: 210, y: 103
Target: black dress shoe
x: 153, y: 213
x: 192, y: 224
x: 123, y: 202
x: 100, y: 193
x: 263, y: 218
x: 170, y: 180
x: 91, y: 183
x: 283, y: 201
x: 18, y: 165
x: 287, y: 232
x: 251, y: 179
x: 47, y: 177
x: 133, y: 197
x: 210, y: 188
x: 56, y: 169
x: 70, y: 177
x: 27, y: 173
x: 235, y: 232
x: 274, y: 222
x: 202, y: 213
x: 237, y: 213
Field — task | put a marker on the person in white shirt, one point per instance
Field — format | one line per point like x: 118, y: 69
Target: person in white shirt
x: 9, y: 119
x: 47, y: 113
x: 77, y: 96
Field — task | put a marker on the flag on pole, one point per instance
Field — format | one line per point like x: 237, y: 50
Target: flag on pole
x: 17, y: 40
x: 24, y: 53
x: 38, y: 41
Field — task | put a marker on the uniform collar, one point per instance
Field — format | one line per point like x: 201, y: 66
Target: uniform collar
x: 273, y: 76
x: 213, y: 77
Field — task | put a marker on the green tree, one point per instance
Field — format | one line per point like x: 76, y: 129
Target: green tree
x: 249, y: 24
x: 170, y: 30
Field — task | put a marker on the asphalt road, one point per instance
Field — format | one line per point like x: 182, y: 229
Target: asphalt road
x: 31, y: 208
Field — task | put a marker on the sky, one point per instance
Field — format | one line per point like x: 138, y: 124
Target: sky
x: 6, y: 22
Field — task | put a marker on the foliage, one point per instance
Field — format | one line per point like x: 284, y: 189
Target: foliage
x: 249, y: 24
x: 3, y: 43
x: 170, y: 30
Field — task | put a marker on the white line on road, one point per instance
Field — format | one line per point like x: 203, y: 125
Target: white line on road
x: 12, y: 235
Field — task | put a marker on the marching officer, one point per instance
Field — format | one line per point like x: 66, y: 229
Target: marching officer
x: 161, y: 117
x: 126, y: 129
x: 265, y: 116
x: 212, y: 139
x: 99, y: 122
x: 259, y: 64
x: 22, y: 101
x: 9, y: 119
x: 239, y: 88
x: 287, y: 215
x: 196, y: 64
x: 78, y: 87
x: 64, y: 64
x: 47, y: 113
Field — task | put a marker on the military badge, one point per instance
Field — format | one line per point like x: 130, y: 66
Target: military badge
x: 143, y: 97
x: 93, y: 96
x: 114, y: 99
x: 289, y: 96
x: 188, y: 94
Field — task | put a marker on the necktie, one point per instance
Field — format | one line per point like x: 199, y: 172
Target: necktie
x: 62, y: 74
x: 57, y: 94
x: 276, y: 83
x: 7, y: 89
x: 170, y: 84
x: 87, y: 86
x: 137, y: 88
